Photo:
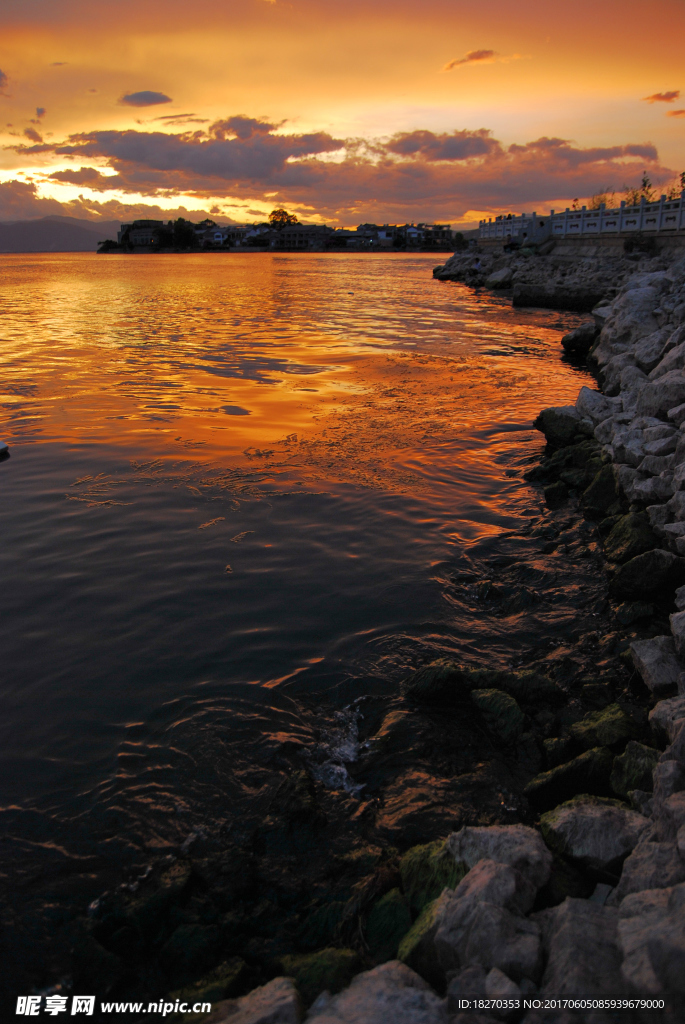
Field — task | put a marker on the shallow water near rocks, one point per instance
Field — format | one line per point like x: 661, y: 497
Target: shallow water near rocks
x: 246, y: 495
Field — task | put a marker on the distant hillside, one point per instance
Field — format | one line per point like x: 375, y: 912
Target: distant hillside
x: 55, y: 234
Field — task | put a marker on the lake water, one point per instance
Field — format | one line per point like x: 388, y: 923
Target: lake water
x: 244, y: 492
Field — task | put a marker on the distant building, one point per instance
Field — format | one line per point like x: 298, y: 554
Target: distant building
x: 140, y: 232
x: 292, y: 238
x: 301, y: 236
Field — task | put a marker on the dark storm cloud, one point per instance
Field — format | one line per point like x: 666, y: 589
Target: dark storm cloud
x: 146, y: 98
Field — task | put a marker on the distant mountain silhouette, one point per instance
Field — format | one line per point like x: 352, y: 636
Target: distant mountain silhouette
x: 55, y: 234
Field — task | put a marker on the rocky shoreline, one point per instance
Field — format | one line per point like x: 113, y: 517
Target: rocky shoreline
x: 570, y: 887
x: 615, y: 813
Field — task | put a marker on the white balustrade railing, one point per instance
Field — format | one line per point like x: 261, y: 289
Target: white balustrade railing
x: 666, y: 215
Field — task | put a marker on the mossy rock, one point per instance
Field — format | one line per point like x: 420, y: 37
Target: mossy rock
x: 610, y: 727
x: 440, y: 682
x: 228, y: 980
x: 189, y: 950
x: 631, y: 536
x: 583, y: 457
x: 531, y: 688
x: 652, y: 573
x: 426, y: 871
x: 633, y: 769
x: 416, y: 948
x: 556, y: 750
x: 602, y: 495
x: 588, y: 773
x: 501, y: 712
x: 327, y: 969
x: 549, y: 821
x: 633, y: 611
x: 388, y: 922
x: 319, y: 927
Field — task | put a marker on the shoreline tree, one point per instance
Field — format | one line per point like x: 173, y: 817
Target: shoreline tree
x: 280, y: 218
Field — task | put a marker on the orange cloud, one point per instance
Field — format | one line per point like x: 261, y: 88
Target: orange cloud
x: 418, y: 175
x: 675, y: 113
x: 662, y: 97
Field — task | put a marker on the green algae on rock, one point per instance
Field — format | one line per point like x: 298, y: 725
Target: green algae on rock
x: 596, y: 832
x: 630, y: 536
x: 416, y: 948
x: 610, y: 727
x: 650, y: 573
x: 328, y: 969
x: 501, y: 713
x: 386, y: 925
x: 224, y: 982
x: 588, y: 773
x: 633, y: 769
x: 425, y: 871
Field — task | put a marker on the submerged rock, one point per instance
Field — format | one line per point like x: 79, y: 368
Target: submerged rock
x: 440, y: 682
x: 223, y: 982
x: 501, y: 712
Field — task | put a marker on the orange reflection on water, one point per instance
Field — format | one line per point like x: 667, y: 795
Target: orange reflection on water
x: 350, y: 367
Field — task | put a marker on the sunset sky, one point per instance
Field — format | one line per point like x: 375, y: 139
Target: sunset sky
x: 366, y: 110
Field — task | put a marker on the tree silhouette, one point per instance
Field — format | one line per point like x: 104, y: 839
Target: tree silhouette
x: 280, y: 219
